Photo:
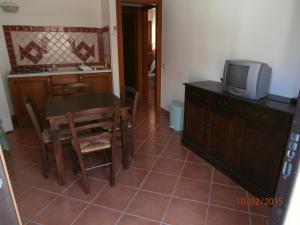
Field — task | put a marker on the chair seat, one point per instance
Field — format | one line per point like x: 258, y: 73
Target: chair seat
x: 97, y: 145
x: 65, y: 134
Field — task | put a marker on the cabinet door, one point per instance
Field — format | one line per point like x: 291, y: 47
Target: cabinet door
x: 261, y: 155
x: 102, y: 81
x: 39, y: 88
x: 197, y: 120
x: 224, y: 139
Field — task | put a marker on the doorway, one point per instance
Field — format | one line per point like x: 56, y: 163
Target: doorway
x: 139, y: 47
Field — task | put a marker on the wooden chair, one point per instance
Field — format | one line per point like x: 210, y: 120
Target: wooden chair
x: 44, y: 134
x: 86, y: 140
x: 131, y: 97
x: 78, y: 88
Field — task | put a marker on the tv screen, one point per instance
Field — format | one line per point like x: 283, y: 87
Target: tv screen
x: 236, y: 76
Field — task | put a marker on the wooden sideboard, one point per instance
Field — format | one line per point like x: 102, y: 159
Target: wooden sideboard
x: 245, y: 139
x: 40, y: 87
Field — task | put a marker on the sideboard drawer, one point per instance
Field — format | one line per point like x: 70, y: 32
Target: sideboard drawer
x: 64, y: 79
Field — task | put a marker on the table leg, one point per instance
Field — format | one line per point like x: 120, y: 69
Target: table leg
x: 58, y: 155
x: 125, y: 139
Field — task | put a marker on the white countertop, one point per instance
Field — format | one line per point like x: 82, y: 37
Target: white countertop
x: 59, y: 71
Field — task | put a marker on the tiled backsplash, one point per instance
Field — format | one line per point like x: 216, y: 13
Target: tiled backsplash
x: 36, y: 47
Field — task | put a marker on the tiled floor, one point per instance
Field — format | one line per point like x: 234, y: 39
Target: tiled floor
x: 166, y: 184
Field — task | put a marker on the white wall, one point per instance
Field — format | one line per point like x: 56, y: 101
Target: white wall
x: 114, y: 46
x: 152, y: 18
x: 198, y: 36
x: 91, y: 13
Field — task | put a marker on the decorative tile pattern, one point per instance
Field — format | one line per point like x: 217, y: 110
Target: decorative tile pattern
x: 34, y: 47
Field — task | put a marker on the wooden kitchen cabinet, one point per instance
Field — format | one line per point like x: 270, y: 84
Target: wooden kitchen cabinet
x: 241, y: 137
x: 41, y: 87
x: 103, y: 81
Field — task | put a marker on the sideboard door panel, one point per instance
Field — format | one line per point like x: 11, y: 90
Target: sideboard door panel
x: 224, y: 139
x: 195, y: 126
x: 261, y: 158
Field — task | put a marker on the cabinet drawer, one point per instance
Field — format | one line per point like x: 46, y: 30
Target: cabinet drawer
x: 266, y: 119
x: 223, y: 104
x: 65, y: 79
x: 198, y: 96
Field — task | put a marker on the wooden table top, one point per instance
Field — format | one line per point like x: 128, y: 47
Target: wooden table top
x: 59, y: 105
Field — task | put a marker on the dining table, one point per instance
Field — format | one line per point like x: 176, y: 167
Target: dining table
x: 58, y: 106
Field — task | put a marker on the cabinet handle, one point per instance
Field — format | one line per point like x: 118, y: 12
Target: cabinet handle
x: 207, y: 128
x: 238, y: 145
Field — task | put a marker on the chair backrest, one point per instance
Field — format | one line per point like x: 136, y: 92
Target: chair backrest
x: 78, y: 88
x: 87, y: 121
x: 34, y: 115
x: 131, y: 97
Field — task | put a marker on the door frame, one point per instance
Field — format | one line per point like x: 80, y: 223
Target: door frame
x: 158, y: 49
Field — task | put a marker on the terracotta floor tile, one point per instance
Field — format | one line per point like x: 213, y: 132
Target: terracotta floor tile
x: 219, y: 216
x: 221, y: 178
x: 197, y: 171
x: 77, y: 191
x: 175, y: 152
x: 160, y: 183
x: 148, y: 205
x: 32, y: 202
x: 130, y: 220
x: 31, y: 176
x: 170, y: 166
x: 137, y: 145
x: 143, y: 161
x: 51, y: 184
x: 182, y: 212
x: 62, y: 211
x: 102, y: 172
x: 193, y: 189
x: 19, y: 189
x: 195, y: 158
x: 131, y: 177
x: 228, y: 197
x: 117, y: 197
x: 151, y: 148
x: 16, y: 167
x: 159, y: 139
x: 259, y: 220
x: 141, y: 135
x: 175, y: 141
x: 33, y: 156
x: 94, y: 215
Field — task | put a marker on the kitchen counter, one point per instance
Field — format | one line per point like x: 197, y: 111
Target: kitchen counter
x: 59, y: 71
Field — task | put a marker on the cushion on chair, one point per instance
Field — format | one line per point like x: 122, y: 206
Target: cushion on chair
x: 65, y: 134
x: 97, y: 145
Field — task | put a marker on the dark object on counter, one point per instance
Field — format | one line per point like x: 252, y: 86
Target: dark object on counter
x: 21, y: 71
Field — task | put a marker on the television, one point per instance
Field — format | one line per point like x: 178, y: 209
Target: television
x: 246, y: 78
